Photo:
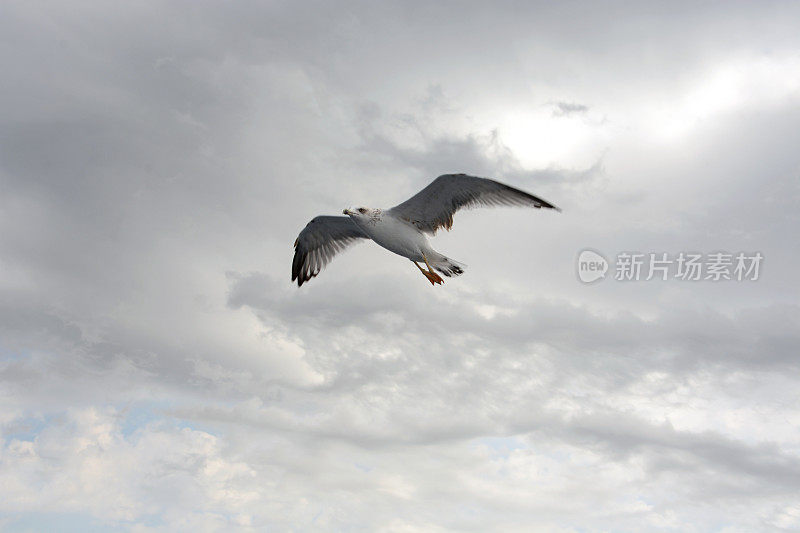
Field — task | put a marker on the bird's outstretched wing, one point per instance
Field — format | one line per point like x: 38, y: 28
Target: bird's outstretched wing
x: 319, y: 241
x: 434, y: 206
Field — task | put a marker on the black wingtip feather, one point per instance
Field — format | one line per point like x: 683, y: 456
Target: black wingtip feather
x: 298, y: 273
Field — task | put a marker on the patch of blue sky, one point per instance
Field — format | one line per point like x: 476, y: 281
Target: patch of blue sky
x: 26, y: 428
x: 62, y: 522
x: 141, y: 414
x: 196, y: 426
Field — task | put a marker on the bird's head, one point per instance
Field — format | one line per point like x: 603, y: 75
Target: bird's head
x: 361, y: 212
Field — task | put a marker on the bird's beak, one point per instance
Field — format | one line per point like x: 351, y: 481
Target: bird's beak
x: 346, y: 212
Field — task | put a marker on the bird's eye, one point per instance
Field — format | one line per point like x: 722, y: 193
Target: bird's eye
x: 362, y: 210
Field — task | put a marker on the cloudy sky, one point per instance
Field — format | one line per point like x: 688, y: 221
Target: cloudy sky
x: 159, y: 372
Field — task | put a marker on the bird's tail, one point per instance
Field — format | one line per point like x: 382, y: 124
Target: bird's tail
x: 446, y: 266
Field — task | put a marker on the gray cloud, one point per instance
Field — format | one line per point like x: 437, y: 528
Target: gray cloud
x: 159, y: 371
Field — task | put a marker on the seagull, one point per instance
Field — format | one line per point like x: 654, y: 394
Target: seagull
x: 403, y: 229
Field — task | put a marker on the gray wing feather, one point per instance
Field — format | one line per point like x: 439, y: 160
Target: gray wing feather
x: 434, y: 206
x: 320, y: 240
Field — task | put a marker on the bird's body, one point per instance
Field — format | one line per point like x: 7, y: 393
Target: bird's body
x: 403, y: 238
x: 403, y: 228
x: 394, y: 234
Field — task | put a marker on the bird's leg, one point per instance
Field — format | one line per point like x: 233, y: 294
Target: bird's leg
x: 430, y: 275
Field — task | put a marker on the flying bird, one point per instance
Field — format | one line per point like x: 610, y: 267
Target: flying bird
x: 403, y: 228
